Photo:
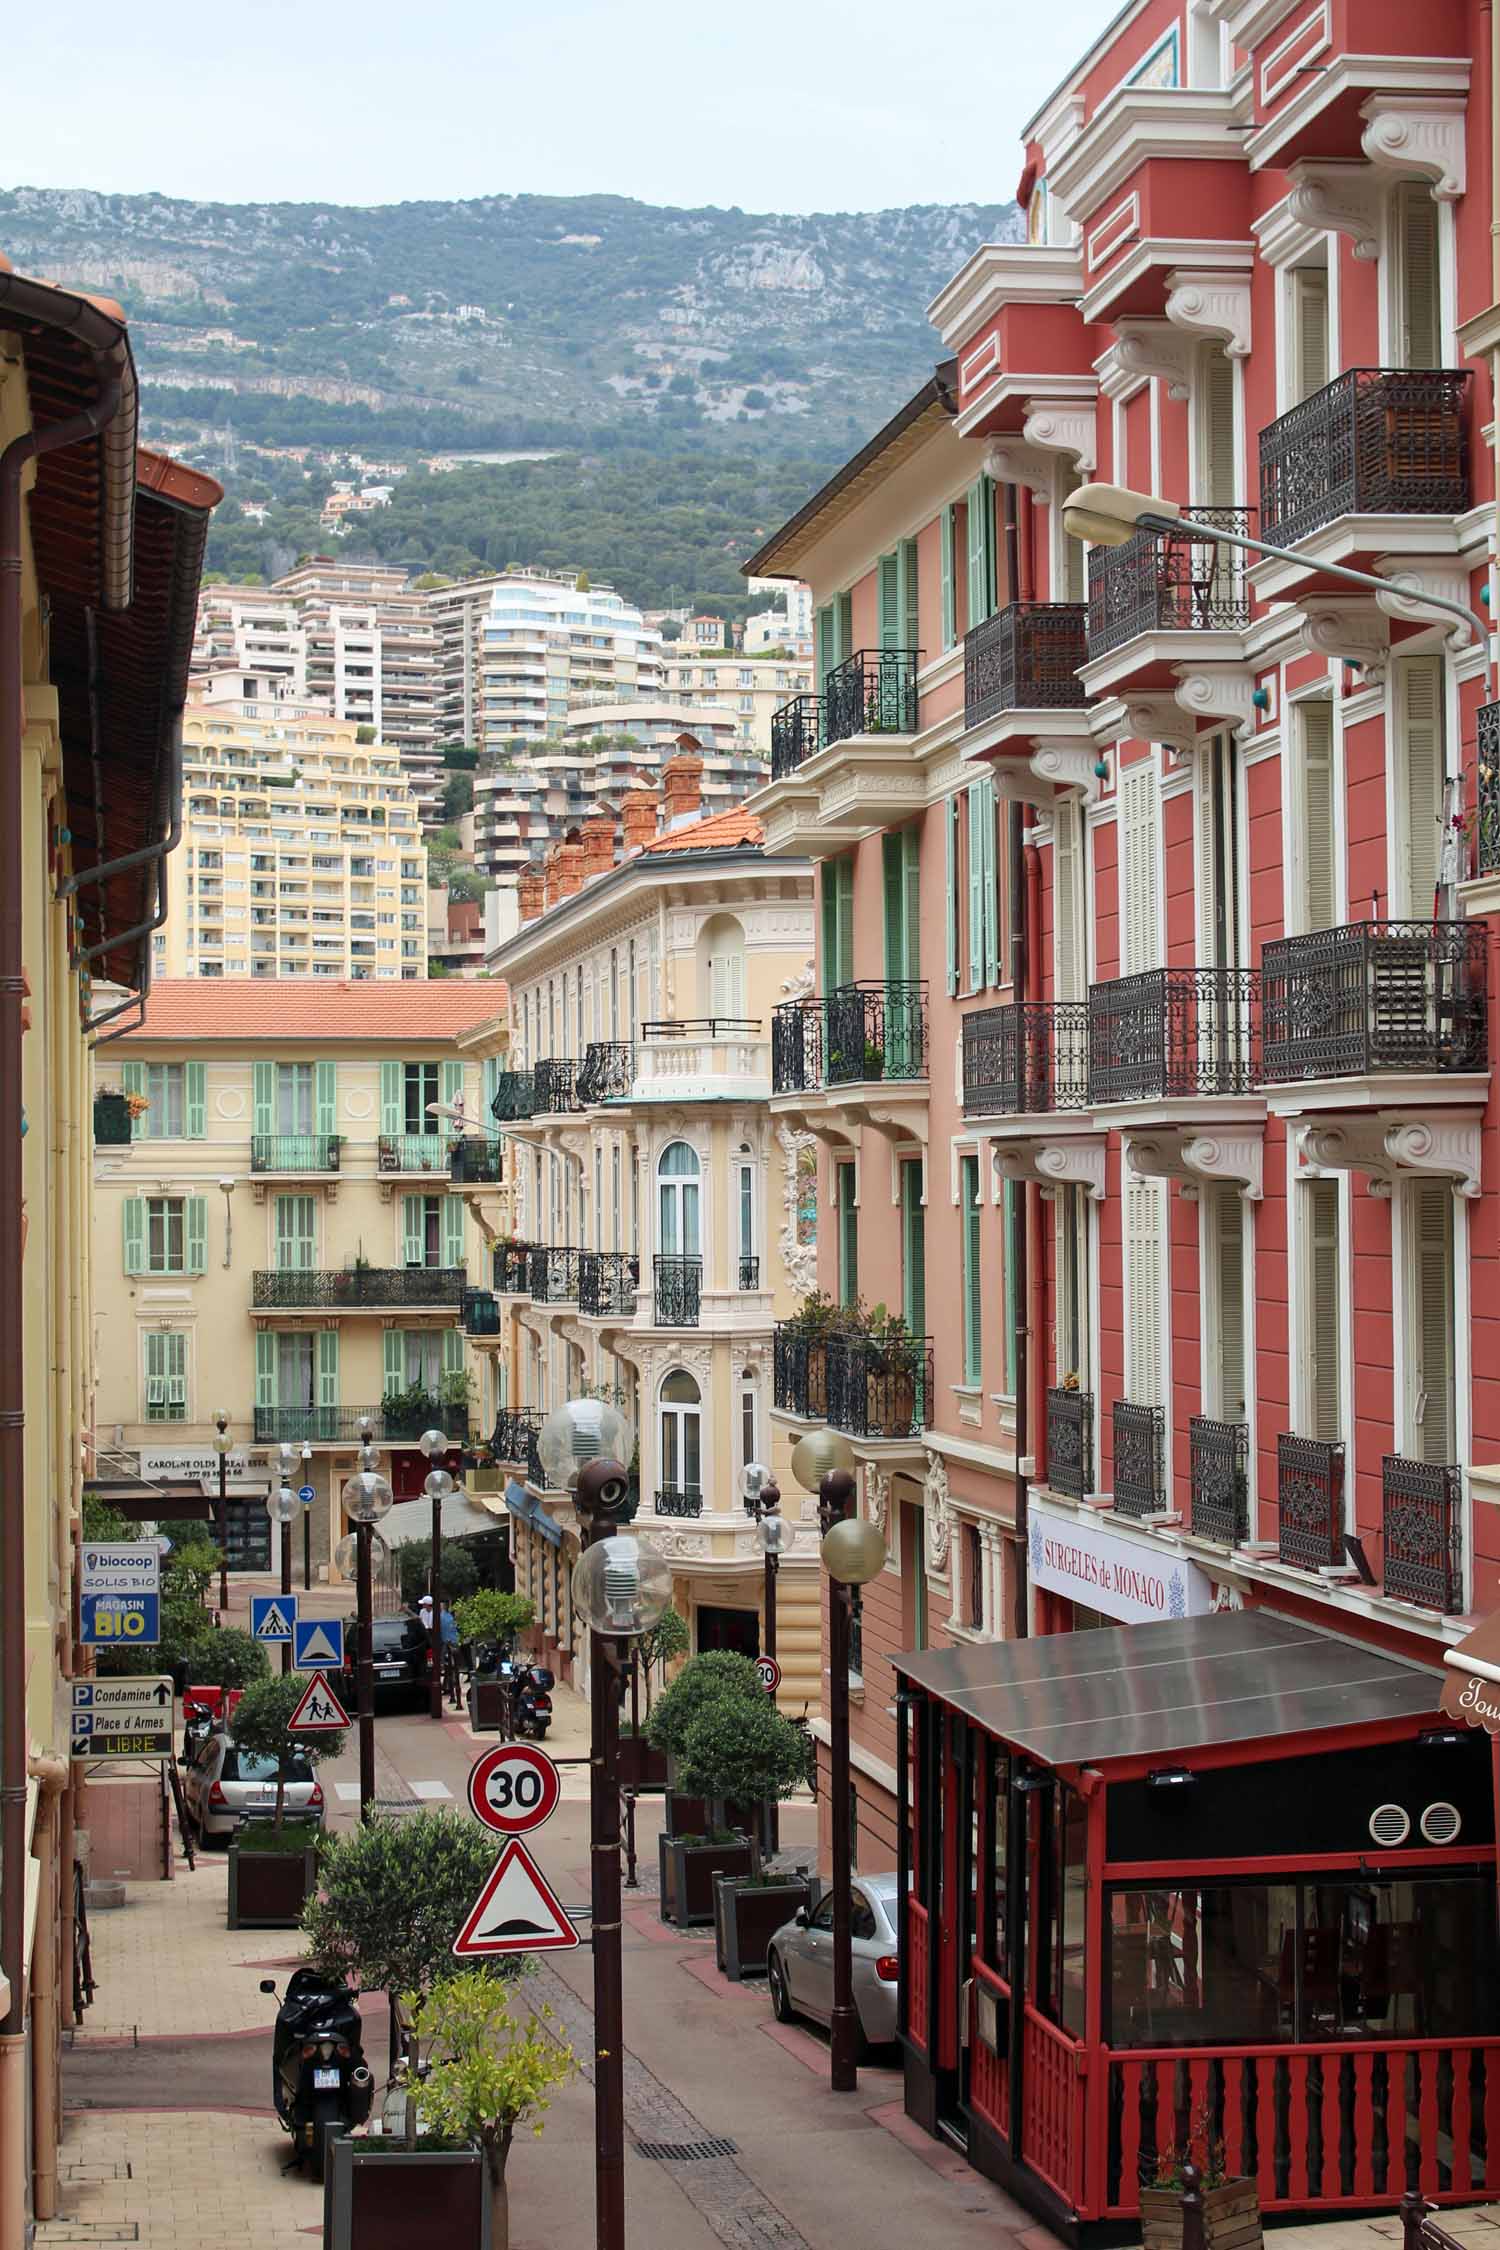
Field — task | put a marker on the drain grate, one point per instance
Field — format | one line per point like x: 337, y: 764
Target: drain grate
x: 686, y: 2152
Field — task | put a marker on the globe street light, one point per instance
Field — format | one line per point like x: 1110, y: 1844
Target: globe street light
x: 763, y: 1502
x: 281, y: 1507
x: 367, y: 1498
x: 437, y: 1485
x: 221, y: 1447
x: 307, y: 1456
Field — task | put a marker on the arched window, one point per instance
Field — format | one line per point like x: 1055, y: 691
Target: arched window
x: 677, y: 1194
x: 721, y: 957
x: 681, y: 1488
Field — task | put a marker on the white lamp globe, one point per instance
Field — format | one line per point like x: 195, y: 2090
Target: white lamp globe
x: 222, y: 1441
x: 622, y: 1585
x: 367, y: 1497
x: 437, y: 1484
x: 818, y: 1455
x: 434, y: 1442
x: 853, y: 1552
x: 586, y: 1429
x: 281, y: 1505
x: 772, y: 1534
x: 346, y: 1554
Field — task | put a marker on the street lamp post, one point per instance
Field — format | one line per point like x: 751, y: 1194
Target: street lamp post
x: 763, y: 1500
x: 307, y: 1520
x: 437, y: 1485
x: 281, y: 1506
x: 367, y: 1497
x: 221, y: 1447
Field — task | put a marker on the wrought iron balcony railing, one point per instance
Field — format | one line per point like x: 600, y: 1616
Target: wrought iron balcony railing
x: 1402, y: 996
x: 554, y: 1276
x: 1219, y: 1479
x: 606, y: 1072
x: 475, y: 1162
x: 1140, y: 1443
x: 796, y: 732
x: 513, y: 1269
x: 1169, y: 582
x: 112, y: 1125
x: 341, y: 1425
x: 1070, y: 1441
x: 1025, y: 1057
x: 691, y: 1029
x: 861, y: 1032
x: 359, y: 1288
x: 1422, y: 1523
x: 1487, y: 827
x: 1168, y: 1033
x: 1025, y: 658
x: 295, y: 1152
x: 607, y: 1283
x: 871, y: 692
x: 514, y: 1439
x: 879, y: 1387
x: 678, y: 1291
x: 679, y: 1500
x: 1309, y: 1502
x: 797, y: 1047
x: 481, y: 1309
x: 1375, y: 441
x: 514, y: 1098
x: 412, y: 1152
x: 749, y: 1273
x: 555, y: 1092
x: 799, y: 1373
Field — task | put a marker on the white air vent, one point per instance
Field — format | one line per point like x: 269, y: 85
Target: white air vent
x: 1441, y: 1824
x: 1389, y: 1825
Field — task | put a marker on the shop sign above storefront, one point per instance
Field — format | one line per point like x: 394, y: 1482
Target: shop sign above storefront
x: 1137, y: 1581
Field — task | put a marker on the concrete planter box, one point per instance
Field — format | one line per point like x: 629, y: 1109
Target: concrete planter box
x: 747, y: 1917
x: 641, y: 1766
x: 486, y: 1702
x: 1231, y: 2217
x: 379, y: 2196
x: 267, y: 1890
x: 687, y: 1876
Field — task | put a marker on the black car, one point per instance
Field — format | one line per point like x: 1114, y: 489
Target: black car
x: 401, y: 1654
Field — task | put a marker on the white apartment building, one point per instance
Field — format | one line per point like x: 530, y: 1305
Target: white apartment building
x: 301, y: 855
x: 797, y: 599
x: 736, y: 687
x: 515, y: 652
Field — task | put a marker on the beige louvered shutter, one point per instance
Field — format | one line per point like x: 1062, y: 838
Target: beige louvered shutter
x: 1140, y: 944
x: 1206, y: 838
x: 1220, y: 467
x: 1417, y: 236
x: 1228, y: 1220
x: 1067, y: 949
x: 1310, y: 330
x: 1432, y: 1269
x: 1419, y: 720
x: 1319, y: 874
x: 1143, y: 1283
x: 1324, y: 1283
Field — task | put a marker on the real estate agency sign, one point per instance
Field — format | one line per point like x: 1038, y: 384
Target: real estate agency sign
x: 1137, y: 1581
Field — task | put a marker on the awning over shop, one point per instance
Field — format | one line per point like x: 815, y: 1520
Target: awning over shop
x: 1471, y: 1683
x: 463, y: 1517
x: 1134, y: 1691
x: 530, y: 1510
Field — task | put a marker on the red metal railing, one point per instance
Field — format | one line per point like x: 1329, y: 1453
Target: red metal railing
x: 916, y: 1974
x: 989, y: 2070
x: 1053, y: 2086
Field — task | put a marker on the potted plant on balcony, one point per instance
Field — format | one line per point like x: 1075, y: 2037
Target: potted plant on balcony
x: 750, y: 1753
x: 890, y: 1375
x: 1191, y: 2176
x: 272, y: 1864
x: 408, y: 1413
x: 701, y: 1838
x: 815, y: 1320
x: 113, y: 1112
x: 642, y: 1765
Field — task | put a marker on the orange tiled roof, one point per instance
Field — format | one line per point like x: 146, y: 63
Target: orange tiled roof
x: 323, y: 1008
x: 720, y: 831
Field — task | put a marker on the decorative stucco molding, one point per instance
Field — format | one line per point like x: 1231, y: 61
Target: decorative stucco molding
x: 1235, y: 1159
x: 1445, y: 1149
x: 1063, y: 428
x: 1013, y: 462
x: 1143, y: 348
x: 877, y: 1498
x: 799, y: 1259
x: 1352, y: 632
x: 1421, y: 133
x: 938, y: 1512
x: 1218, y: 691
x: 1212, y: 304
x: 1068, y: 765
x: 1444, y: 579
x: 1077, y: 1161
x: 1340, y: 199
x: 1158, y: 718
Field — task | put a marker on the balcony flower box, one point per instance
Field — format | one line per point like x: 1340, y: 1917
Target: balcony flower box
x: 689, y: 1865
x: 270, y: 1882
x: 379, y: 2194
x: 748, y: 1911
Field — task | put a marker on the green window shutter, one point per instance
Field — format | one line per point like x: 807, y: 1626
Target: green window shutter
x: 265, y: 1369
x: 846, y: 921
x: 264, y: 1076
x: 453, y: 1351
x: 980, y: 513
x: 393, y: 1355
x: 453, y: 1230
x: 296, y: 1234
x: 133, y: 1081
x: 906, y: 600
x: 844, y: 626
x: 135, y: 1233
x: 848, y: 1218
x: 452, y: 1091
x: 1007, y: 1221
x: 175, y: 1367
x: 327, y: 1097
x: 945, y: 548
x: 197, y: 1115
x: 413, y: 1233
x: 950, y: 913
x: 891, y: 863
x: 987, y: 877
x: 390, y: 1097
x: 889, y: 591
x: 822, y: 646
x: 976, y: 885
x: 328, y: 1367
x: 911, y: 884
x: 196, y: 1234
x: 155, y: 1378
x: 972, y: 1272
x: 913, y: 1250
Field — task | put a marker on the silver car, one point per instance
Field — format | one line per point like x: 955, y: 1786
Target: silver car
x: 226, y: 1786
x: 799, y: 1959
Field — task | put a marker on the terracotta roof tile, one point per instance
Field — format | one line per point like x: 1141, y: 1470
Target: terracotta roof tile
x: 720, y: 831
x: 322, y: 1008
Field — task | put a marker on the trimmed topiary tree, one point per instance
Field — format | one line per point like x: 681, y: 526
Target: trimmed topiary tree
x: 734, y: 1751
x: 490, y: 1615
x: 718, y: 1674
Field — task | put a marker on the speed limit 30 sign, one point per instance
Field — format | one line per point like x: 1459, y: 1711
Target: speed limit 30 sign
x: 514, y: 1787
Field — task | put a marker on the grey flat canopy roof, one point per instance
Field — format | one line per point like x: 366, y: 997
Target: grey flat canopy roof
x: 1134, y: 1691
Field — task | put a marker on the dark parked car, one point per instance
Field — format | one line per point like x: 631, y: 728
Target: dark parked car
x: 401, y: 1654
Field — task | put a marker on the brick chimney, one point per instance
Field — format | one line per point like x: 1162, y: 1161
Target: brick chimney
x: 552, y: 874
x: 682, y: 782
x: 638, y: 818
x: 530, y: 890
x: 570, y: 867
x: 598, y: 844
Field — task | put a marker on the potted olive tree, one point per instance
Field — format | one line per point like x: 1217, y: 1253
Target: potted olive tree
x: 272, y: 1864
x: 488, y: 1616
x: 642, y: 1765
x: 700, y: 1838
x: 749, y: 1752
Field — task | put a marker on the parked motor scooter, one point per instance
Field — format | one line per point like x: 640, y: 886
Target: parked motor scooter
x: 319, y: 2076
x: 533, y: 1703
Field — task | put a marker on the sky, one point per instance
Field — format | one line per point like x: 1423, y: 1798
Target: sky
x: 791, y: 106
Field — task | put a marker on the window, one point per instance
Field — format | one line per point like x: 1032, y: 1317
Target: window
x: 294, y: 1097
x: 1060, y: 1973
x: 1322, y: 1286
x: 745, y: 1221
x: 749, y: 1431
x: 419, y: 1086
x: 1144, y: 1234
x: 913, y: 1248
x: 1315, y: 875
x: 983, y: 892
x: 1216, y: 770
x: 1069, y: 945
x: 296, y: 1372
x: 1417, y: 329
x: 165, y: 1355
x: 174, y: 1094
x: 681, y: 1425
x: 1308, y: 356
x: 837, y: 885
x: 721, y: 954
x: 166, y: 1234
x: 421, y: 1359
x: 1218, y: 480
x: 973, y: 1551
x: 165, y: 1245
x: 993, y: 1864
x: 973, y: 1278
x: 677, y: 1187
x: 1420, y: 765
x: 1074, y: 1353
x: 1140, y: 939
x: 296, y: 1233
x: 1224, y: 1225
x: 848, y: 1239
x: 1429, y: 1328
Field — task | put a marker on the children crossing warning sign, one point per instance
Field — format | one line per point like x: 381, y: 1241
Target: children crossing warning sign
x: 516, y: 1911
x: 320, y: 1711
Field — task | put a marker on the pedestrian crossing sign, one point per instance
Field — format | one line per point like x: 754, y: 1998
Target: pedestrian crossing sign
x: 272, y: 1616
x: 316, y: 1643
x: 320, y: 1711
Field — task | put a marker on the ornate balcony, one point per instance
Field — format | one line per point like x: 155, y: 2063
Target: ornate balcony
x: 1161, y: 582
x: 1171, y: 1033
x: 556, y: 1091
x: 880, y: 1387
x: 872, y: 692
x: 1070, y: 1442
x: 797, y: 1047
x: 1487, y: 831
x: 796, y: 732
x: 679, y: 1500
x: 295, y: 1152
x: 1025, y: 658
x: 513, y: 1269
x: 412, y: 1152
x: 1374, y: 441
x: 607, y: 1283
x: 476, y: 1163
x: 360, y: 1289
x: 1374, y: 996
x: 1218, y: 1475
x: 799, y: 1373
x: 341, y: 1425
x: 1140, y: 1444
x: 704, y: 1058
x: 1309, y: 1503
x: 1029, y: 1057
x: 678, y: 1291
x: 514, y: 1098
x: 553, y: 1277
x: 860, y: 1034
x: 605, y: 1073
x: 1422, y: 1523
x: 481, y: 1311
x: 514, y: 1439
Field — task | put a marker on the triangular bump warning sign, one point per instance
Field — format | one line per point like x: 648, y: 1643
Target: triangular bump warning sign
x: 317, y: 1644
x: 319, y: 1712
x: 516, y: 1911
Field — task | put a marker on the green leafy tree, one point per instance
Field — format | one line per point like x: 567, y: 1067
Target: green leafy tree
x: 458, y: 795
x: 490, y: 2073
x: 719, y: 1675
x: 490, y: 1615
x: 457, y: 1568
x: 668, y: 1638
x: 392, y: 1897
x: 741, y: 1753
x: 229, y: 1658
x: 262, y: 1725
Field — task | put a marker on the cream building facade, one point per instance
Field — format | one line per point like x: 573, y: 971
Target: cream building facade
x: 301, y: 855
x: 740, y: 687
x: 662, y: 1224
x: 291, y: 1233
